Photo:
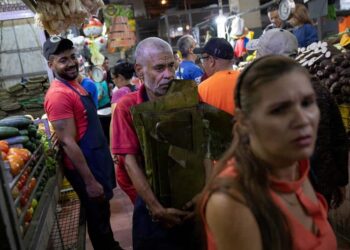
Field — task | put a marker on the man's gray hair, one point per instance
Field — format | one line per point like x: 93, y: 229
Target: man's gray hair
x: 149, y: 45
x: 184, y: 44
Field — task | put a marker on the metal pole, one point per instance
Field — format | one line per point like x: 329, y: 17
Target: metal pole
x: 167, y: 28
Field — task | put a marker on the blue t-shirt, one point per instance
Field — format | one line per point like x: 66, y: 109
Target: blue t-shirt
x: 91, y: 88
x: 188, y: 70
x: 306, y: 34
x: 102, y: 89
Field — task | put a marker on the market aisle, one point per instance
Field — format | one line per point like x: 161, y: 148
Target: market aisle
x: 121, y: 219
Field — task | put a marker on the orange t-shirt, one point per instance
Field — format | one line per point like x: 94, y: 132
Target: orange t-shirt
x: 302, y: 238
x: 218, y: 90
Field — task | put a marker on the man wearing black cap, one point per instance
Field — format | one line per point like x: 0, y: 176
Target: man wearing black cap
x: 217, y: 60
x: 87, y: 161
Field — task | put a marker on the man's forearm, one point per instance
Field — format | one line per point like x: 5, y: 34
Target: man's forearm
x: 74, y: 153
x: 140, y: 182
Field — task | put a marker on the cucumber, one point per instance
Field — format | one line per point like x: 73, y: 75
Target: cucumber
x: 23, y: 132
x: 6, y: 132
x: 21, y: 139
x: 30, y: 146
x: 16, y: 122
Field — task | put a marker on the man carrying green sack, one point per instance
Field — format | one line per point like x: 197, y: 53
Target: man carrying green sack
x: 164, y: 140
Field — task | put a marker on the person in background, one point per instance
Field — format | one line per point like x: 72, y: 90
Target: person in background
x: 90, y: 87
x: 102, y: 91
x: 259, y: 196
x: 122, y: 74
x: 177, y: 59
x: 303, y: 27
x: 107, y: 71
x: 88, y: 164
x: 217, y: 61
x: 155, y: 227
x: 275, y: 20
x: 188, y: 70
x: 329, y: 162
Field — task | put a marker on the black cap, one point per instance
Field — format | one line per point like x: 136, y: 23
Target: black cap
x: 56, y: 44
x: 217, y: 47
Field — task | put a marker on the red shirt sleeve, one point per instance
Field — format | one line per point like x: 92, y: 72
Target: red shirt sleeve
x: 124, y: 137
x: 58, y: 106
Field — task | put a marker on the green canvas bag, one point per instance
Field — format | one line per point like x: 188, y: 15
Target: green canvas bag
x: 176, y: 133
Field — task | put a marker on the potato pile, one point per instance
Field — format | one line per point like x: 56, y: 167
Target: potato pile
x: 56, y: 16
x: 331, y: 66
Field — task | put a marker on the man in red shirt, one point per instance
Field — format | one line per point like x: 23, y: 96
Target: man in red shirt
x: 88, y: 163
x: 154, y: 226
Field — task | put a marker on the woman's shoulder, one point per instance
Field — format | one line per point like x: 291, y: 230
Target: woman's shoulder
x: 231, y: 222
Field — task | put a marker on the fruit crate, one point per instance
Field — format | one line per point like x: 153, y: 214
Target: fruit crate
x: 345, y: 114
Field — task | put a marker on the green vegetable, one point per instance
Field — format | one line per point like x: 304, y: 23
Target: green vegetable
x: 17, y: 140
x: 7, y: 132
x: 16, y: 122
x: 23, y: 132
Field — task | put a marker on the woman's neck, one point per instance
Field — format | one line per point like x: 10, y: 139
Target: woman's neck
x: 287, y: 172
x: 124, y: 83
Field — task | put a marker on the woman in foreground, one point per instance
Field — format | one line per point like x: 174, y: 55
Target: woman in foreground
x: 260, y: 196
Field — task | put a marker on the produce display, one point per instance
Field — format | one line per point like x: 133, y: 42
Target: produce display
x: 24, y: 98
x: 29, y: 162
x: 56, y: 16
x: 331, y: 66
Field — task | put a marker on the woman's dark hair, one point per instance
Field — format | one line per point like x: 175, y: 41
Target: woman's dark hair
x: 123, y: 68
x: 252, y: 181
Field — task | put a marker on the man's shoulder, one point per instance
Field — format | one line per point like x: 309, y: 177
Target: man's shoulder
x: 128, y: 100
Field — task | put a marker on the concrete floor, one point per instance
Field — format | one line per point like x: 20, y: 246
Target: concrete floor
x: 121, y: 220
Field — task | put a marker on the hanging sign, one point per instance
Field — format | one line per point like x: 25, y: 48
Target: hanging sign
x: 121, y: 26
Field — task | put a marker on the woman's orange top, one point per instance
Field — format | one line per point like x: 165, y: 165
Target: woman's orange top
x: 302, y: 238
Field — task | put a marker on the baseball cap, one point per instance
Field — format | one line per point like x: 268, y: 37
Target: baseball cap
x: 56, y: 44
x: 217, y: 47
x: 274, y: 41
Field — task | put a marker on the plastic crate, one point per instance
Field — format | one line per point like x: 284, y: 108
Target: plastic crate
x: 345, y: 114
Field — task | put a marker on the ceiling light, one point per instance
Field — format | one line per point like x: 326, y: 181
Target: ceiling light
x: 180, y: 29
x: 187, y: 27
x: 163, y: 2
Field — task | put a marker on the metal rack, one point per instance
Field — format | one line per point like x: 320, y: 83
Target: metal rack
x: 50, y: 227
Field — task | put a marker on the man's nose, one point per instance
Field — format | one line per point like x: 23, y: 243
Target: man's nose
x: 169, y: 72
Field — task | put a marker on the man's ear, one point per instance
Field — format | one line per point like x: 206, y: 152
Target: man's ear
x: 49, y: 63
x: 138, y: 70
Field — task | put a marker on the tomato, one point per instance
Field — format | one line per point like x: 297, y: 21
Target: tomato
x: 29, y: 215
x: 3, y: 155
x: 32, y: 184
x: 23, y: 201
x: 14, y: 168
x: 4, y: 146
x: 20, y: 184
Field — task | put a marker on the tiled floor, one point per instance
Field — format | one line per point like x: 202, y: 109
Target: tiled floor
x: 121, y: 219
